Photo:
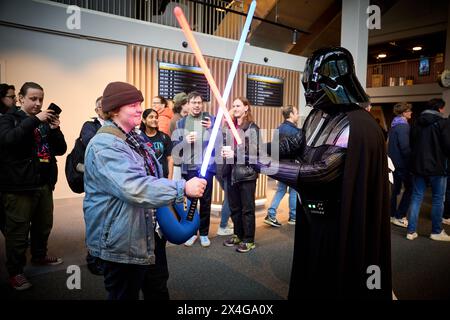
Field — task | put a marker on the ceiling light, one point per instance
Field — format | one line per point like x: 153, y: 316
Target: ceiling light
x: 381, y: 55
x: 418, y: 48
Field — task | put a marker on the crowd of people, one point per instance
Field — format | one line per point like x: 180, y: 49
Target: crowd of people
x: 139, y: 160
x: 420, y: 156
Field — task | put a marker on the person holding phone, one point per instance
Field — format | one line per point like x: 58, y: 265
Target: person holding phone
x: 30, y: 138
x: 197, y: 126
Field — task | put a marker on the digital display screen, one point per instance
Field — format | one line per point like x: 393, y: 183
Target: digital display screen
x: 175, y: 78
x: 265, y: 91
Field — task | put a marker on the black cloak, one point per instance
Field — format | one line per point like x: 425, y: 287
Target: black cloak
x: 339, y: 266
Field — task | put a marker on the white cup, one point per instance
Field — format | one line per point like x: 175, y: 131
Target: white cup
x: 226, y: 150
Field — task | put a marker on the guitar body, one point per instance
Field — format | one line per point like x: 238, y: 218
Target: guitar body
x: 175, y: 225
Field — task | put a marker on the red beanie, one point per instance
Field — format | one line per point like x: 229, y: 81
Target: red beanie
x: 118, y: 94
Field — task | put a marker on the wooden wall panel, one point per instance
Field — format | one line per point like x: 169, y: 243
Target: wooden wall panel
x: 142, y: 71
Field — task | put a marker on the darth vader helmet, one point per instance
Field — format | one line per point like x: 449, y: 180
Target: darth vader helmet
x: 329, y: 79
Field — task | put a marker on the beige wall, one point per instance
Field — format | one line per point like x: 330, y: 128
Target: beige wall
x: 143, y: 73
x: 73, y: 73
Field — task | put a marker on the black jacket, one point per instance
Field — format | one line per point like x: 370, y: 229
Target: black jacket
x: 430, y: 144
x: 19, y: 163
x: 89, y: 130
x: 333, y: 252
x: 244, y: 171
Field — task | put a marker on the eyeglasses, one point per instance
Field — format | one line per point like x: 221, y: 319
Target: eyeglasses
x: 196, y: 102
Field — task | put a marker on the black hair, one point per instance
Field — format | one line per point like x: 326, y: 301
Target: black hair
x: 144, y: 116
x: 4, y: 87
x: 435, y: 104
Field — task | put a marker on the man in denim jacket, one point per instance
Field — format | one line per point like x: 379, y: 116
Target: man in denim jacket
x: 123, y: 188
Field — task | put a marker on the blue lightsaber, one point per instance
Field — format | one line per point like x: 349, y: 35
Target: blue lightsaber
x: 226, y: 93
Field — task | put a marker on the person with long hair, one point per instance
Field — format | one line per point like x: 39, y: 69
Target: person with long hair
x: 157, y: 140
x: 241, y: 177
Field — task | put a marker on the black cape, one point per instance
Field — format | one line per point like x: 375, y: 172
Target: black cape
x: 361, y: 237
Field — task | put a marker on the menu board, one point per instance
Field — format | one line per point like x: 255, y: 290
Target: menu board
x: 264, y: 91
x: 175, y: 78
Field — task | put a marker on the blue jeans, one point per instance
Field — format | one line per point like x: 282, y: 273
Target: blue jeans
x: 438, y: 186
x: 281, y: 191
x: 226, y: 212
x: 447, y: 200
x: 401, y: 177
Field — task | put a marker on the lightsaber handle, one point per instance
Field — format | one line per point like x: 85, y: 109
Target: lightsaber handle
x: 193, y: 206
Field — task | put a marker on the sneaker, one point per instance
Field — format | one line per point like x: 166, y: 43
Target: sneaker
x: 191, y: 241
x: 204, y: 241
x: 411, y: 236
x: 19, y: 282
x: 272, y: 222
x: 446, y: 221
x: 440, y: 236
x: 291, y: 222
x: 231, y: 242
x: 47, y: 261
x: 225, y: 231
x: 245, y: 247
x: 400, y: 222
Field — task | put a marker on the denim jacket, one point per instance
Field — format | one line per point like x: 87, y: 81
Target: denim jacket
x: 119, y: 201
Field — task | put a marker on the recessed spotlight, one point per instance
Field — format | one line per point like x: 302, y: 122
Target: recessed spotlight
x: 418, y: 48
x: 381, y: 55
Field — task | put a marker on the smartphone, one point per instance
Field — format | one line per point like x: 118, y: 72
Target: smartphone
x: 205, y: 117
x: 55, y: 108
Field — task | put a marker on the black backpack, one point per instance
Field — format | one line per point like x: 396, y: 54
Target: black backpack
x: 73, y: 176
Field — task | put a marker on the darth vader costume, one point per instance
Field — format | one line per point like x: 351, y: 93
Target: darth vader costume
x: 342, y: 237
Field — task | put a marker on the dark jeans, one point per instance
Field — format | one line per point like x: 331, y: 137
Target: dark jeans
x: 447, y: 200
x: 29, y: 212
x: 205, y: 201
x: 124, y: 281
x: 241, y: 197
x: 2, y: 216
x: 401, y: 177
x: 155, y: 281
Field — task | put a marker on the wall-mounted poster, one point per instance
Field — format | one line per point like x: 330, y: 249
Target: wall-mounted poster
x: 175, y: 78
x: 424, y: 67
x: 264, y: 91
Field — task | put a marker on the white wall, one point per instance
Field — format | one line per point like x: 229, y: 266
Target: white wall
x: 73, y: 73
x: 53, y: 16
x: 74, y: 66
